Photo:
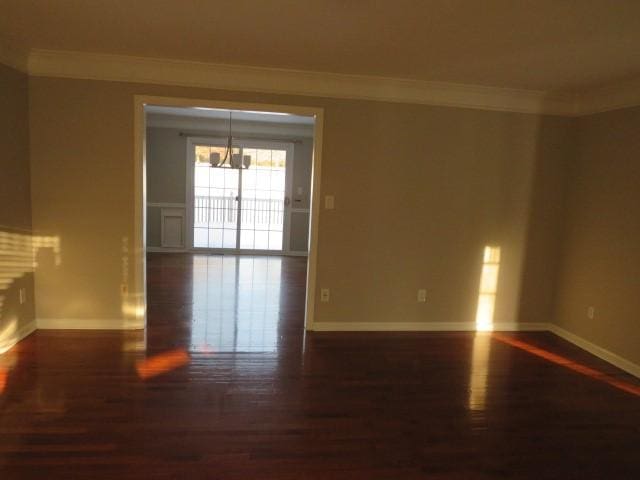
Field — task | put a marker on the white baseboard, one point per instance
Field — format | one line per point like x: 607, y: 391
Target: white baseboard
x: 520, y: 327
x: 421, y: 327
x: 592, y: 348
x: 166, y: 250
x: 296, y: 254
x: 586, y: 345
x: 123, y: 324
x: 389, y: 326
x: 86, y: 324
x: 21, y: 333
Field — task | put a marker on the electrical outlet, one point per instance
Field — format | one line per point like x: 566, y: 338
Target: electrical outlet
x: 591, y: 313
x: 422, y: 295
x: 23, y: 296
x: 329, y: 202
x: 324, y: 295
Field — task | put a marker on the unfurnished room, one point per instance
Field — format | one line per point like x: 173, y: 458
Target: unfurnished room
x: 320, y: 239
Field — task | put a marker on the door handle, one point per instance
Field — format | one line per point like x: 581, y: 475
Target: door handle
x: 287, y: 201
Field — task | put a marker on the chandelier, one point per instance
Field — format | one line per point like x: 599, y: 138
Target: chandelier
x: 233, y: 160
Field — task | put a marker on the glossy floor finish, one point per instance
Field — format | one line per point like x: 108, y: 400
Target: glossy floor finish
x: 227, y: 386
x: 233, y: 303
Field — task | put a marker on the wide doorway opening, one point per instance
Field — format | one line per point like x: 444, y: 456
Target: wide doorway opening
x: 229, y: 223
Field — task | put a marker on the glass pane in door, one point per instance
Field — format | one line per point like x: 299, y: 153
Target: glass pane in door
x: 263, y: 195
x: 215, y: 202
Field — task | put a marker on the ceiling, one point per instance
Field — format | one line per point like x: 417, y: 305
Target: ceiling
x: 239, y: 115
x: 546, y: 45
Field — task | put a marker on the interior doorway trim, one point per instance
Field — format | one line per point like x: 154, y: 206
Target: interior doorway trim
x: 140, y: 248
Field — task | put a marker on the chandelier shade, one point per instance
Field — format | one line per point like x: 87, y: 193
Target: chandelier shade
x: 233, y: 160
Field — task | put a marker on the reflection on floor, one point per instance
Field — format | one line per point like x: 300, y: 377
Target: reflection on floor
x: 236, y: 303
x: 226, y: 385
x: 226, y: 303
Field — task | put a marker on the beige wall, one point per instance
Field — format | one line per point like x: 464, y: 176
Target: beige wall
x: 555, y: 151
x: 419, y: 192
x: 601, y: 251
x: 82, y: 193
x: 166, y: 174
x: 16, y: 264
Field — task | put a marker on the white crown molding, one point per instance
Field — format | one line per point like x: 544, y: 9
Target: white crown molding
x: 607, y: 98
x: 120, y: 68
x: 14, y: 57
x: 91, y: 66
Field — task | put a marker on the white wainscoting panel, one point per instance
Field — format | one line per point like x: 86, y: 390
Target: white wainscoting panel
x: 172, y: 228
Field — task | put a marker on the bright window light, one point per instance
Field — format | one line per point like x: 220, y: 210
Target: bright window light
x: 488, y: 289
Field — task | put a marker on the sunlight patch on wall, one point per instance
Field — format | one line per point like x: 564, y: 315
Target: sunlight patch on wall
x: 18, y: 254
x: 488, y: 289
x: 133, y: 310
x: 133, y: 303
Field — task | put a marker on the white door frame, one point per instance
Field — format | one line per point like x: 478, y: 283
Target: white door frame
x: 140, y: 249
x: 242, y: 143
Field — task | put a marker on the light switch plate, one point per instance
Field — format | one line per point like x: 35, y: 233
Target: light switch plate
x: 422, y: 295
x: 324, y: 295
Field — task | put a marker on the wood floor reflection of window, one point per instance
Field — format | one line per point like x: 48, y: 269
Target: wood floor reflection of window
x: 479, y: 371
x: 236, y: 303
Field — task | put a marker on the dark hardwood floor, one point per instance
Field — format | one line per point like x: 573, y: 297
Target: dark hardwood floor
x: 226, y: 385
